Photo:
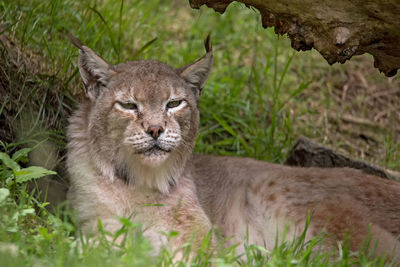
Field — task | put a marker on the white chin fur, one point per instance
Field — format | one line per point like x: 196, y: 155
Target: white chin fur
x: 155, y: 170
x: 153, y: 159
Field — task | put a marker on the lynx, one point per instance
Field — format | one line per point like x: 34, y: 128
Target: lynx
x: 130, y: 144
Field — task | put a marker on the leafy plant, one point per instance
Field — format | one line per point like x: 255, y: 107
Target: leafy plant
x: 18, y: 207
x: 11, y: 172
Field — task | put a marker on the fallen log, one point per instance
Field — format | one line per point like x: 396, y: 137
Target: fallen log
x: 338, y: 29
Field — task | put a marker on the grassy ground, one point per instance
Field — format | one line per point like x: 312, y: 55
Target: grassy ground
x: 260, y: 97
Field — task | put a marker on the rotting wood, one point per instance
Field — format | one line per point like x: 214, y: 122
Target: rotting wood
x: 338, y: 29
x: 306, y: 153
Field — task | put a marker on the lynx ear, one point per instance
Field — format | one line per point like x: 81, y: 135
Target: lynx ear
x: 94, y: 70
x: 197, y: 72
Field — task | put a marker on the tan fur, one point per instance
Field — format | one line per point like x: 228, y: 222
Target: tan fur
x: 239, y: 192
x: 117, y: 167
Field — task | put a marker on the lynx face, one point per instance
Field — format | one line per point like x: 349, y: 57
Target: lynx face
x: 143, y: 119
x: 153, y: 114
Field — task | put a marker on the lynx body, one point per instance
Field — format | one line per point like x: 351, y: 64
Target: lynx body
x: 130, y: 145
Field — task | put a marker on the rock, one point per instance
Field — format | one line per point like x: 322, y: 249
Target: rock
x: 305, y: 153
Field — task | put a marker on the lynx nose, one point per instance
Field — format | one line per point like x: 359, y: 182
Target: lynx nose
x: 155, y: 130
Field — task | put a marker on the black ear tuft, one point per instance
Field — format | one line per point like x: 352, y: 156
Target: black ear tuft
x: 207, y: 43
x: 75, y: 41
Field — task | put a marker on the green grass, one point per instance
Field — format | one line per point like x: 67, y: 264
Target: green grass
x: 259, y: 98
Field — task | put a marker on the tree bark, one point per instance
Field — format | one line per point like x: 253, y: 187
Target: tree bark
x: 338, y: 29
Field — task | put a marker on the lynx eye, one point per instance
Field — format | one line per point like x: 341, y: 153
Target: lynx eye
x: 128, y: 105
x: 174, y: 104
